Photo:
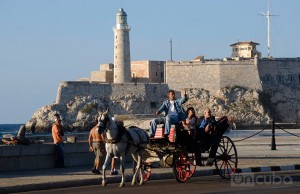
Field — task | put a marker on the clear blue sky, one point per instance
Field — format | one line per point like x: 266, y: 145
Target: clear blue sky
x: 43, y: 42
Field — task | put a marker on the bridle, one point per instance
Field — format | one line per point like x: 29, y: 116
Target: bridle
x: 102, y: 123
x: 102, y: 128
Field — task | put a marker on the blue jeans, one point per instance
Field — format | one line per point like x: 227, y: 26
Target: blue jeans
x: 168, y: 121
x: 60, y: 155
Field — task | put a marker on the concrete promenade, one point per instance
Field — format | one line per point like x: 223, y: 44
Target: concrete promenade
x: 255, y: 155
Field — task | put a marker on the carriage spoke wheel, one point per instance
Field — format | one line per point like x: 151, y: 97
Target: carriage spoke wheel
x: 193, y: 164
x: 226, y: 158
x: 146, y: 167
x: 183, y: 167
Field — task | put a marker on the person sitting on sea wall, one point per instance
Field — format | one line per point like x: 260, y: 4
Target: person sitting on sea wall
x: 10, y: 141
x: 20, y: 139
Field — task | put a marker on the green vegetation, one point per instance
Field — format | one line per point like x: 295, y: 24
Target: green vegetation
x: 87, y: 109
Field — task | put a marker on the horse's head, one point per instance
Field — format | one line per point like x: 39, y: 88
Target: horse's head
x: 103, y: 121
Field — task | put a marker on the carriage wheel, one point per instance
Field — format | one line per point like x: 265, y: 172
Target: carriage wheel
x: 226, y: 158
x: 183, y: 167
x: 146, y: 167
x: 193, y: 164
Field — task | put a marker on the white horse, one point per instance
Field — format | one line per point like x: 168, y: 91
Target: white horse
x: 121, y: 142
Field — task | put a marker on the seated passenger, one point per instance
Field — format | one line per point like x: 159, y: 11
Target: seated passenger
x: 204, y: 132
x: 190, y: 121
x: 173, y: 113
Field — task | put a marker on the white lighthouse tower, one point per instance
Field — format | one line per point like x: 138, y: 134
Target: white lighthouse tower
x: 121, y: 49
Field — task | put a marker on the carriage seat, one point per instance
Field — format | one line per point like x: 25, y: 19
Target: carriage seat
x: 160, y: 131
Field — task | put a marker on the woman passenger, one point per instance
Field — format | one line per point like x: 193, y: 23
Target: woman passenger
x: 190, y: 122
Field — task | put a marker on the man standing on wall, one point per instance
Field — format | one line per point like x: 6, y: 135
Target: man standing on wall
x: 57, y: 134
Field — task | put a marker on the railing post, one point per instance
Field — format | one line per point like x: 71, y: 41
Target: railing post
x: 273, y: 144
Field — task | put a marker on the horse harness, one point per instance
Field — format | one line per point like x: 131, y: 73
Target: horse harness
x: 121, y: 131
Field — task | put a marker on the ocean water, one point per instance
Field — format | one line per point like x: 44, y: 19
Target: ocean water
x: 9, y: 129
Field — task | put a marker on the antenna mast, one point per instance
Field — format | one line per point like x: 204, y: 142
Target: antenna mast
x: 269, y: 31
x: 171, y: 49
x: 268, y: 15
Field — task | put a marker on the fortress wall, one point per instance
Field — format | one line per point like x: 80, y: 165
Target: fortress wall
x: 181, y: 75
x: 140, y: 98
x: 212, y: 75
x: 279, y: 72
x: 281, y: 80
x: 245, y: 75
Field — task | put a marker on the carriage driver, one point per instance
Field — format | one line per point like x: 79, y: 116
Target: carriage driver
x: 173, y: 113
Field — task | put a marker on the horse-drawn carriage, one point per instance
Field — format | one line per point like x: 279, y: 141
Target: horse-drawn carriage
x: 183, y: 153
x: 180, y: 151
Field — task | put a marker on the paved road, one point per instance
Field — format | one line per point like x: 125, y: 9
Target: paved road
x: 254, y: 152
x: 274, y: 182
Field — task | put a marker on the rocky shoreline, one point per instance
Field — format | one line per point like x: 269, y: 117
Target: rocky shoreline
x: 246, y: 107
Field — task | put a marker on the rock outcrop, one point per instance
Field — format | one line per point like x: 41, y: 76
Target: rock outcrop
x: 246, y: 106
x: 243, y: 105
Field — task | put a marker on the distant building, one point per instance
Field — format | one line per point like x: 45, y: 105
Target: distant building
x: 106, y: 74
x: 245, y: 50
x: 148, y: 71
x: 199, y: 58
x: 141, y: 71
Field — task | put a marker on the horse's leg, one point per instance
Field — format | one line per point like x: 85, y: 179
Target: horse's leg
x: 135, y: 171
x: 107, y: 160
x: 140, y: 167
x: 122, y: 169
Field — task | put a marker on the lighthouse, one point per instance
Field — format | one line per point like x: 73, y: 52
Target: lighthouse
x: 121, y: 49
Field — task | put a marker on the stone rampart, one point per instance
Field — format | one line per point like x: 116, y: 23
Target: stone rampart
x: 67, y: 91
x: 276, y: 72
x: 212, y: 75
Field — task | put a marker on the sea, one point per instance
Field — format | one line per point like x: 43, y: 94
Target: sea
x: 6, y: 129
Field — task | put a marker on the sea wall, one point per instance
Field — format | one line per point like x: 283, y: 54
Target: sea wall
x: 39, y: 156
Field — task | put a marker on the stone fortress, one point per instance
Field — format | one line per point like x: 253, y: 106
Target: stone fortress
x: 250, y: 88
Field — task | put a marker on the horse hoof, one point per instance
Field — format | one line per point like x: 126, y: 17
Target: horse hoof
x: 122, y: 185
x: 132, y: 183
x: 103, y: 184
x: 141, y: 183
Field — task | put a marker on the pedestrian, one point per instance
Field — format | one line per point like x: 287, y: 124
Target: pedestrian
x: 57, y: 134
x: 96, y: 145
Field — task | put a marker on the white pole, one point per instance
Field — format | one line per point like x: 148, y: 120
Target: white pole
x: 269, y: 31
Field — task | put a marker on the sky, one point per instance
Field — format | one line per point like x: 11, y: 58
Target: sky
x: 44, y: 42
